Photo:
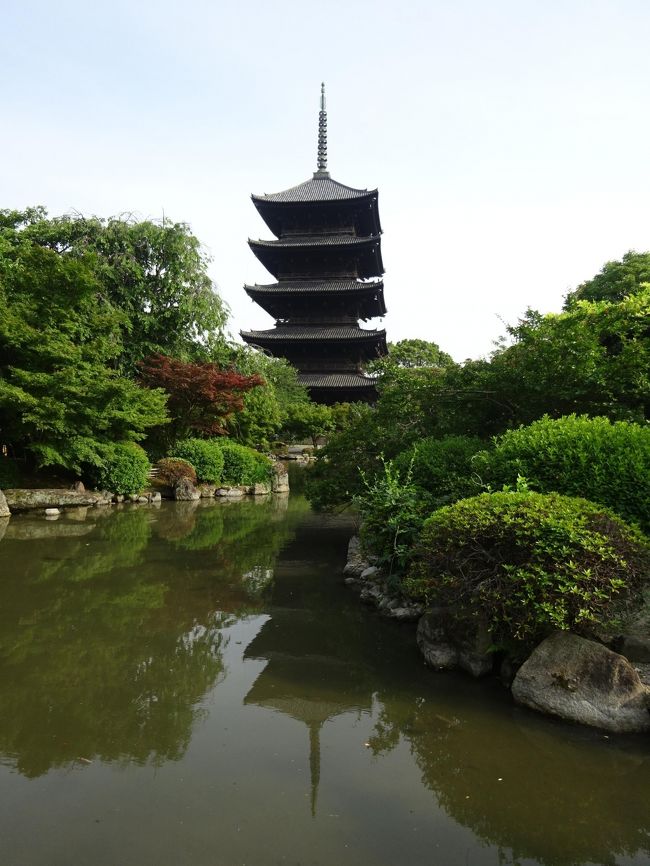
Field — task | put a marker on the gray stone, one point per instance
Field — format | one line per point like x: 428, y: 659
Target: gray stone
x: 4, y: 523
x: 78, y: 486
x: 634, y: 643
x: 143, y: 499
x: 52, y: 512
x: 405, y: 614
x: 260, y: 489
x: 185, y: 491
x: 356, y: 563
x: 234, y: 492
x: 26, y: 500
x: 4, y: 508
x: 583, y: 681
x: 280, y: 479
x: 448, y: 641
x: 207, y: 491
x: 118, y: 497
x: 371, y: 594
x: 643, y: 671
x: 156, y: 497
x: 369, y: 573
x: 133, y: 497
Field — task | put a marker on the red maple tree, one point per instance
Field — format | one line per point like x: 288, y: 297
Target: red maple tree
x: 201, y: 396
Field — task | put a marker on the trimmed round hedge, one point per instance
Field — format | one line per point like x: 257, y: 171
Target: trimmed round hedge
x: 124, y: 468
x: 205, y: 455
x: 243, y: 465
x: 529, y: 563
x: 602, y: 461
x: 171, y: 470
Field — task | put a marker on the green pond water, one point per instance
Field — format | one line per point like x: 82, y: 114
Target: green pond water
x: 193, y: 684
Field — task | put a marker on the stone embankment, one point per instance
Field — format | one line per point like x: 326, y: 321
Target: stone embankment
x: 51, y: 501
x: 568, y: 676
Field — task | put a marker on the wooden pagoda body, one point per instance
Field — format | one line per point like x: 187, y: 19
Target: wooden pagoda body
x: 326, y: 259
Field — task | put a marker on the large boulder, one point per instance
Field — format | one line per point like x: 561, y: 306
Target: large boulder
x: 26, y: 500
x: 583, y: 681
x: 356, y: 563
x: 280, y: 479
x: 185, y: 491
x: 4, y: 508
x: 449, y: 641
x: 634, y: 643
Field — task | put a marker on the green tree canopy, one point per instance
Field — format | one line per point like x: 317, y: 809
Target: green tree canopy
x: 60, y: 394
x: 154, y: 272
x: 412, y: 354
x: 615, y: 281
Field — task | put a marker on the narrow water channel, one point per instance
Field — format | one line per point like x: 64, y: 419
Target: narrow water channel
x: 193, y: 684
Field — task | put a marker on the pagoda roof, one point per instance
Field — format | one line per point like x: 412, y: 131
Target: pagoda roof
x: 319, y: 188
x: 306, y: 287
x: 336, y: 380
x: 334, y: 240
x: 313, y: 333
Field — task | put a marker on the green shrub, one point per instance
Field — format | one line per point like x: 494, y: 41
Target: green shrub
x: 206, y: 457
x: 124, y: 468
x: 242, y: 465
x: 529, y: 563
x: 442, y: 468
x: 392, y: 514
x: 605, y: 462
x: 10, y: 474
x: 171, y: 470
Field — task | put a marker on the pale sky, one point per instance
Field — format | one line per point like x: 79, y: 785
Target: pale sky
x: 509, y: 140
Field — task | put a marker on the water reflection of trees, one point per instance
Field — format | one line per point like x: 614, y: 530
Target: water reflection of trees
x: 110, y: 639
x: 537, y: 790
x: 567, y: 795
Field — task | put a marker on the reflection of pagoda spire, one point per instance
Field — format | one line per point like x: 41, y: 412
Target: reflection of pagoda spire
x: 306, y: 678
x: 314, y: 762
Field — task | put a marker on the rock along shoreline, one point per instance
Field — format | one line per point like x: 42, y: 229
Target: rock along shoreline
x: 567, y: 676
x: 53, y: 500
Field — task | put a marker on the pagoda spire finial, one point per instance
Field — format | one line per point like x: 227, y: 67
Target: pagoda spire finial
x: 322, y: 133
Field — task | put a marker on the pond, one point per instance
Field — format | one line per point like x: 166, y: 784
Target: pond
x: 193, y: 684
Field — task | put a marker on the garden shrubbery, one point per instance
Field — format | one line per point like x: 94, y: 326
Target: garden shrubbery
x: 529, y: 563
x: 605, y: 462
x: 124, y: 468
x: 171, y: 470
x: 243, y: 465
x: 392, y: 511
x: 442, y: 468
x: 205, y: 455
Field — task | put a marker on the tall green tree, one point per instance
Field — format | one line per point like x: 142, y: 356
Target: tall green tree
x: 155, y: 272
x: 61, y: 397
x: 615, y: 281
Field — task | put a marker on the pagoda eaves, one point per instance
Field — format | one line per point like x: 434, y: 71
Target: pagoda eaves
x: 326, y: 257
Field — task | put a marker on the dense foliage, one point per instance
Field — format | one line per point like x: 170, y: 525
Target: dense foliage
x: 593, y: 359
x: 155, y: 273
x: 615, y: 281
x: 201, y: 396
x: 124, y: 468
x: 392, y: 513
x: 605, y: 462
x: 61, y: 397
x: 171, y: 470
x: 529, y: 563
x: 442, y: 469
x: 205, y: 455
x: 242, y: 465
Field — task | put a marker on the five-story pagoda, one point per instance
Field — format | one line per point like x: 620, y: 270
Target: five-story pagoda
x: 327, y: 262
